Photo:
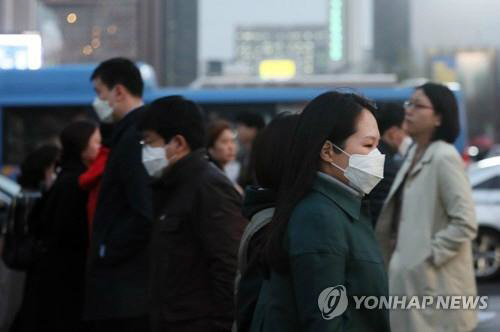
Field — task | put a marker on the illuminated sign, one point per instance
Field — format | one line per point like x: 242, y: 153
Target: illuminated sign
x: 336, y: 26
x: 280, y: 69
x: 23, y: 51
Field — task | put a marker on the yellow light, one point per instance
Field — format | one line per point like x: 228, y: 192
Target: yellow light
x: 95, y: 43
x: 87, y: 50
x: 71, y: 18
x: 277, y: 69
x: 112, y: 29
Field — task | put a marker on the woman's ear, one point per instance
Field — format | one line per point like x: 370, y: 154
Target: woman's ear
x: 326, y: 153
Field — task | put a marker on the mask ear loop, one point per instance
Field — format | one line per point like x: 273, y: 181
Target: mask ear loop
x: 332, y: 163
x: 336, y: 166
x: 347, y: 154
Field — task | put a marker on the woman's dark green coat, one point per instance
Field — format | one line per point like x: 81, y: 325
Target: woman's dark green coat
x: 330, y: 242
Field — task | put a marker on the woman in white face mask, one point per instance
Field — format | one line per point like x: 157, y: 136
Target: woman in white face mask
x: 427, y: 223
x: 322, y: 250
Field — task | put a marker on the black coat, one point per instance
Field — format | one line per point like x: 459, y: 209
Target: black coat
x: 196, y: 234
x: 116, y: 285
x: 54, y: 288
x: 393, y: 162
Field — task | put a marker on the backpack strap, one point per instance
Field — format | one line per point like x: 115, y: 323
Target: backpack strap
x: 259, y: 220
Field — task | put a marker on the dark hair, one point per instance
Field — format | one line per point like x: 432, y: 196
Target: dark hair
x: 251, y: 119
x: 215, y: 129
x: 270, y: 149
x: 174, y: 115
x: 331, y: 116
x: 120, y: 71
x: 75, y: 139
x: 35, y: 165
x: 389, y: 115
x: 445, y: 104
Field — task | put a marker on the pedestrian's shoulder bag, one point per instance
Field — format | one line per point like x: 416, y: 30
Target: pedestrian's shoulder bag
x: 20, y: 242
x: 259, y: 221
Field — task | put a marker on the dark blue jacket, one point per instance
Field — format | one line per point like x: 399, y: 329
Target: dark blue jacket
x: 116, y: 285
x: 392, y: 164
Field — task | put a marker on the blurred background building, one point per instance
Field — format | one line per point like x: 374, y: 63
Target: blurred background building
x: 391, y: 33
x: 185, y: 39
x: 163, y: 33
x: 168, y: 39
x: 305, y: 46
x: 18, y: 15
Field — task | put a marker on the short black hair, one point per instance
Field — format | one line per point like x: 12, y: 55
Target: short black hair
x: 445, y: 104
x: 75, y: 139
x: 35, y: 165
x: 251, y: 119
x: 174, y: 115
x: 120, y: 71
x: 389, y: 115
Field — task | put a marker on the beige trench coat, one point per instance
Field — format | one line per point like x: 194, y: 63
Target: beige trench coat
x: 432, y: 255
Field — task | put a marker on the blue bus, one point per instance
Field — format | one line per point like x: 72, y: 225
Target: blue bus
x: 36, y: 105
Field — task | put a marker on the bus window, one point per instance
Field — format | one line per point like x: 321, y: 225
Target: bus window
x: 26, y: 127
x: 229, y: 111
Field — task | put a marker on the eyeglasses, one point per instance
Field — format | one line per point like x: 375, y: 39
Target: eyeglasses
x: 410, y: 104
x: 149, y: 142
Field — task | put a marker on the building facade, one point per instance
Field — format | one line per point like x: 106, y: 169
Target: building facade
x: 306, y: 46
x: 163, y: 33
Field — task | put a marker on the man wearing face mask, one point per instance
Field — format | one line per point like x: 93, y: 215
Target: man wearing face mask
x: 197, y: 223
x: 394, y: 143
x: 116, y: 283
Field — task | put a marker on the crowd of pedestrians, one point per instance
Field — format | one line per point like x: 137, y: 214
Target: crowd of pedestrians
x: 155, y: 219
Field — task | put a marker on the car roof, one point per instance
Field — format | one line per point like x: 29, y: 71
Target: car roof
x: 484, y: 169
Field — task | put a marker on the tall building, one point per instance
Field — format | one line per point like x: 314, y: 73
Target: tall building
x: 350, y: 27
x: 306, y: 46
x: 163, y: 33
x: 392, y: 36
x: 18, y: 16
x: 94, y: 30
x: 168, y: 38
x: 181, y: 36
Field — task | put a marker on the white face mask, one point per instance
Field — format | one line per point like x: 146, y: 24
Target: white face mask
x: 364, y: 171
x: 405, y: 145
x: 154, y: 160
x: 103, y: 110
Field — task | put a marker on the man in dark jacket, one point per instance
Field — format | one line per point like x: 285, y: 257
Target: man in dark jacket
x: 197, y: 223
x: 390, y: 118
x: 249, y: 125
x: 116, y: 285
